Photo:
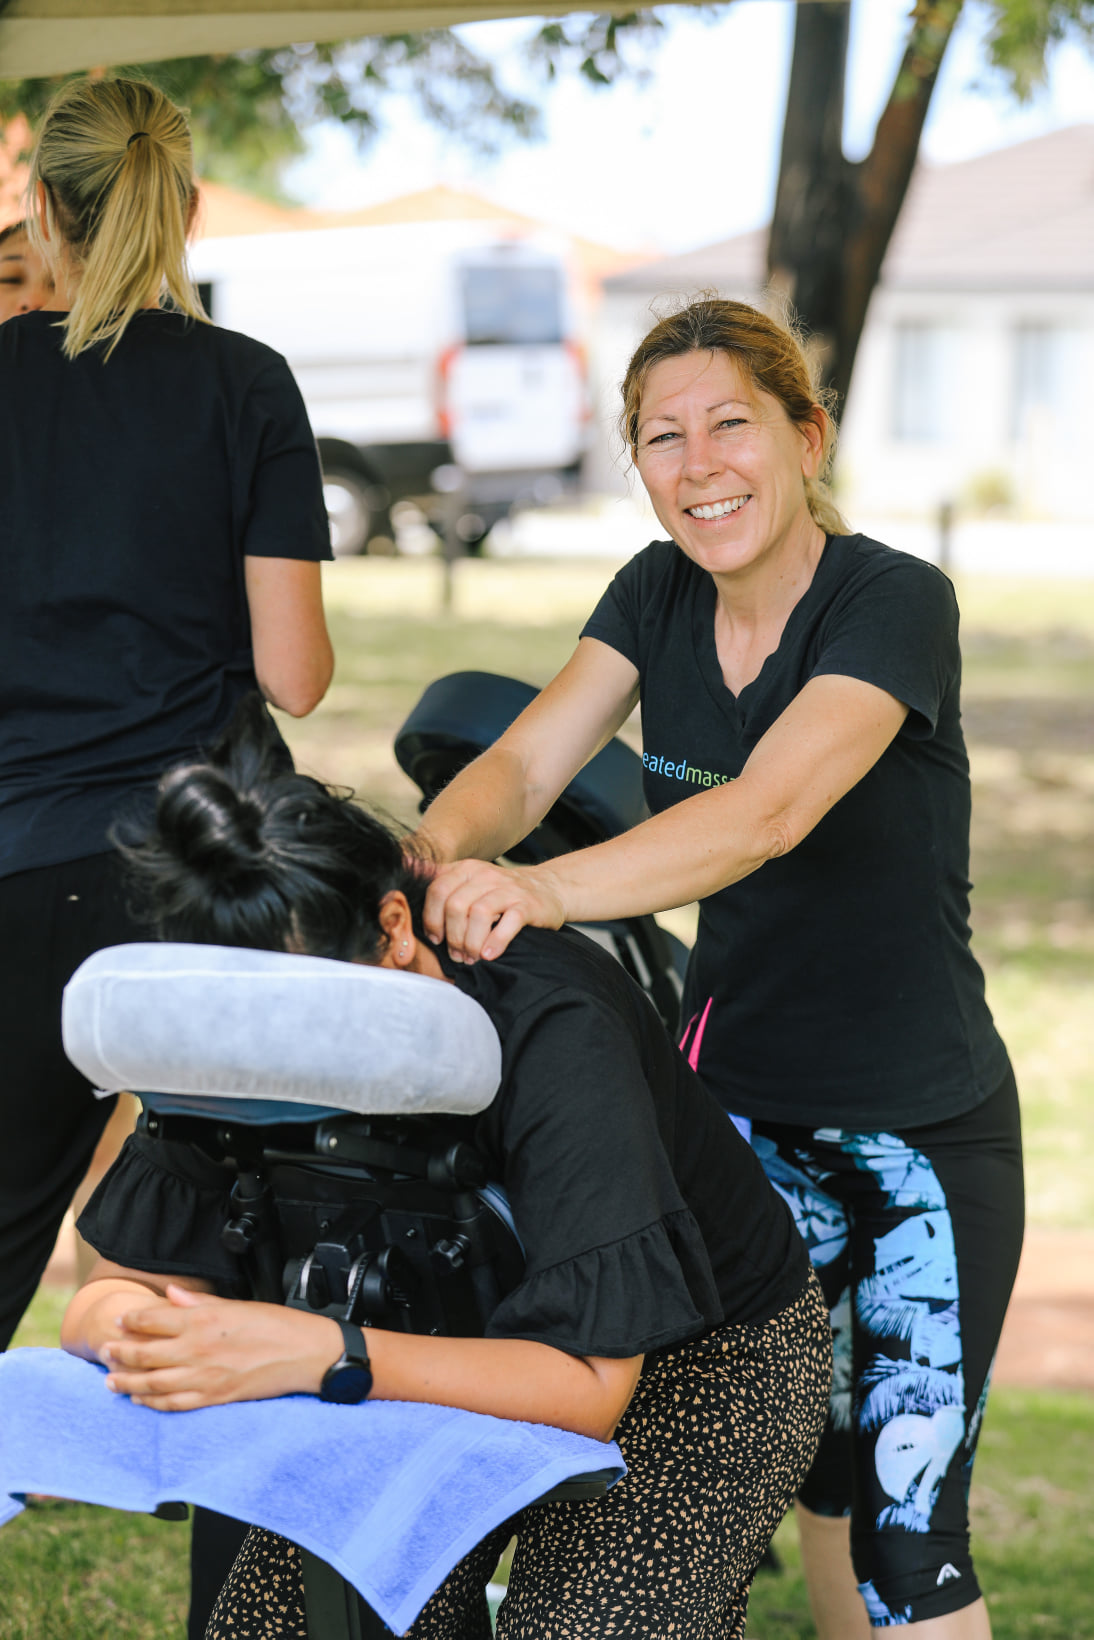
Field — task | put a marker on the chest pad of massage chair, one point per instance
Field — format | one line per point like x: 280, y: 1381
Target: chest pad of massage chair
x: 339, y: 1103
x: 462, y: 714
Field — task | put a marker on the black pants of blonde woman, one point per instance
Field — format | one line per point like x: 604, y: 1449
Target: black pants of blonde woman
x: 50, y: 1121
x: 717, y: 1440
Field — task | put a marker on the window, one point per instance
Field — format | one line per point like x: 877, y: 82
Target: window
x: 1040, y: 375
x: 923, y: 369
x: 514, y: 305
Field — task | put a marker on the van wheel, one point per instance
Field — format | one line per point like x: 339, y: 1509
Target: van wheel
x: 354, y: 517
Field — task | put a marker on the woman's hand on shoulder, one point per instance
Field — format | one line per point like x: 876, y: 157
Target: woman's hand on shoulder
x: 475, y: 908
x: 188, y: 1350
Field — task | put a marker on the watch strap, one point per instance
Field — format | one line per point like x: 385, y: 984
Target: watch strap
x: 354, y: 1347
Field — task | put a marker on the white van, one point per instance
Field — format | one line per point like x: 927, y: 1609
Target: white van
x: 417, y: 346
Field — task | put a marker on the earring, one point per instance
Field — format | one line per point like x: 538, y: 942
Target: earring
x: 403, y: 946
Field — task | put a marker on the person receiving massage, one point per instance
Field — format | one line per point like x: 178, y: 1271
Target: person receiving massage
x: 804, y: 762
x: 667, y: 1299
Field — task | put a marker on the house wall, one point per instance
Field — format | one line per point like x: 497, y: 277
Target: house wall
x: 1003, y: 411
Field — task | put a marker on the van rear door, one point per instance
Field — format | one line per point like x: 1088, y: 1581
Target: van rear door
x: 514, y: 392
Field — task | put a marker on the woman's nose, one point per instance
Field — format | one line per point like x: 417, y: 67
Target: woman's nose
x: 702, y: 456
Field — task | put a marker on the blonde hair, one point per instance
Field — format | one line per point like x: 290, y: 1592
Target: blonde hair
x: 116, y: 161
x: 772, y: 357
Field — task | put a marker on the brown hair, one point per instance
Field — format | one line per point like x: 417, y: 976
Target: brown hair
x: 773, y: 359
x: 117, y: 165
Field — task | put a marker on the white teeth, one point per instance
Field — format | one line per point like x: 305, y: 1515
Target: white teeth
x: 718, y: 509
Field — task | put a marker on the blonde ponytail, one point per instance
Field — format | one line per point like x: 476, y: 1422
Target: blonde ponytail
x: 116, y: 161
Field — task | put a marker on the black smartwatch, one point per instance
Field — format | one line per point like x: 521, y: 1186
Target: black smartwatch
x: 349, y: 1380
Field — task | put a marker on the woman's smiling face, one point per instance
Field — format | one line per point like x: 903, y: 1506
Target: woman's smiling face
x: 723, y: 464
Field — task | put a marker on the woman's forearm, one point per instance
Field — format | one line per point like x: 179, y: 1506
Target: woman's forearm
x: 506, y: 1378
x: 188, y: 1350
x: 683, y: 854
x: 505, y: 793
x: 487, y: 808
x: 823, y: 743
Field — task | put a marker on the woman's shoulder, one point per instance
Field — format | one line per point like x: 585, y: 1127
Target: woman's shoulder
x: 860, y: 558
x: 556, y: 984
x: 246, y: 356
x: 661, y: 564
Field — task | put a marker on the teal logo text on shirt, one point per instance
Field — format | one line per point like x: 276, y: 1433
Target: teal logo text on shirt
x: 683, y: 770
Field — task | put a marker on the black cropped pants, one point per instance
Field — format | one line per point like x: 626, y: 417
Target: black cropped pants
x: 51, y: 918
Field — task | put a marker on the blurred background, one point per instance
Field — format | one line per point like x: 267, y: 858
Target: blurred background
x: 456, y: 239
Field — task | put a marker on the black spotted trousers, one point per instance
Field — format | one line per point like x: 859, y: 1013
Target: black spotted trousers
x: 718, y: 1437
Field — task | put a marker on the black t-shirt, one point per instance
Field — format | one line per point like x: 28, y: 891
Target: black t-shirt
x: 132, y: 489
x: 835, y: 985
x: 645, y: 1217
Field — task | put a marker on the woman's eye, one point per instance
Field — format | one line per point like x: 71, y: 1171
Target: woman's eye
x: 732, y: 421
x: 661, y: 438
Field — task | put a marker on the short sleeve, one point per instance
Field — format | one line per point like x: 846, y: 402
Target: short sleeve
x: 161, y: 1208
x: 615, y: 1262
x: 897, y: 629
x: 616, y: 620
x: 279, y: 480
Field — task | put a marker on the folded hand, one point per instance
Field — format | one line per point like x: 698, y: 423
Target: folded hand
x: 194, y: 1350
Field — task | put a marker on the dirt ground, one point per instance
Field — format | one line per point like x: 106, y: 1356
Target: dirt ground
x: 1048, y: 1339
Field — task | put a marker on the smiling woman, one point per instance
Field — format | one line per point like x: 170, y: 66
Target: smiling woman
x: 832, y: 1000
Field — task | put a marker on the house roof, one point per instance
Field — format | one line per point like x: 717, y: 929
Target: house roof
x: 1018, y: 218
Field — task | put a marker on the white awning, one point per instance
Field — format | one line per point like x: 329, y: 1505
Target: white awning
x: 41, y: 37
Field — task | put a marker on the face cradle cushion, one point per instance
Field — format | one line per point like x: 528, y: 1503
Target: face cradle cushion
x: 219, y: 1022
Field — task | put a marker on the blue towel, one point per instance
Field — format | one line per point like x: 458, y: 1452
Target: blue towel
x: 391, y: 1493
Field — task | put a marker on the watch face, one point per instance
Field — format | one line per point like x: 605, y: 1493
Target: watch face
x: 346, y: 1384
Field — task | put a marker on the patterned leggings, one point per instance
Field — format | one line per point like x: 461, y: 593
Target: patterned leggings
x: 915, y: 1236
x: 718, y: 1438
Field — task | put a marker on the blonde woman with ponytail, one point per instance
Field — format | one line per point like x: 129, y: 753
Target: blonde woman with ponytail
x: 161, y: 533
x: 808, y: 782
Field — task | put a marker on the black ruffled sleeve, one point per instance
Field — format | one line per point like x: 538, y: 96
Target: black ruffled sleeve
x: 161, y: 1208
x: 615, y: 1262
x: 648, y: 1290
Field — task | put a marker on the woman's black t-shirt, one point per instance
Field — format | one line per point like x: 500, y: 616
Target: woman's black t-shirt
x: 132, y: 490
x: 835, y: 985
x: 645, y: 1217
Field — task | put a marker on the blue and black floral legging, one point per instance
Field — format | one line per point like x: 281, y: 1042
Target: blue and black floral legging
x: 915, y: 1236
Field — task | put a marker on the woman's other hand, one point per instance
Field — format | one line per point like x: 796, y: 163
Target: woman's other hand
x: 189, y: 1350
x: 476, y: 908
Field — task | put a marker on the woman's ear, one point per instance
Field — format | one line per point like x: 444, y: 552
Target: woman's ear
x: 812, y: 432
x: 398, y: 930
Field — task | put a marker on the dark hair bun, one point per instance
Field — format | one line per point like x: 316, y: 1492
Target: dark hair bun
x: 245, y: 851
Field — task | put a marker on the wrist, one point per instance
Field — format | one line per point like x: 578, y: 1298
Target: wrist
x: 348, y: 1378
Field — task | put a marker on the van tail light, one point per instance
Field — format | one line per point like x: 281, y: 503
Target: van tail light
x: 577, y: 353
x: 445, y: 362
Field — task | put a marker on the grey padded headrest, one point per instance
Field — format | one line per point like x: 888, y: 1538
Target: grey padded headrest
x: 220, y: 1020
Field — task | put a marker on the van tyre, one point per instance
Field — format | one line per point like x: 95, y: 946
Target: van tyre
x: 358, y: 514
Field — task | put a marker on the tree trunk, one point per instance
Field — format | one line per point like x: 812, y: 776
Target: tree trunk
x: 805, y: 248
x: 833, y: 221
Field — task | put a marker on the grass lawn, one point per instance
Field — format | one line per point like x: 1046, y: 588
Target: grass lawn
x: 71, y: 1573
